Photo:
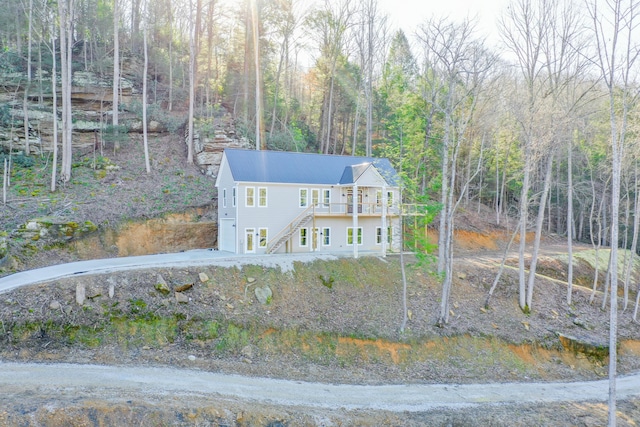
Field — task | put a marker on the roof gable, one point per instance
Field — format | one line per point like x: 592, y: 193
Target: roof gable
x: 303, y: 168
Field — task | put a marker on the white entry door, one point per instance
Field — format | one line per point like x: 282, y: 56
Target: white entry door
x: 249, y: 240
x: 227, y: 235
x: 315, y: 239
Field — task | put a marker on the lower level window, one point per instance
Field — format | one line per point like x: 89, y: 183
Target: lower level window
x: 350, y: 235
x: 304, y: 237
x: 379, y: 235
x: 262, y: 237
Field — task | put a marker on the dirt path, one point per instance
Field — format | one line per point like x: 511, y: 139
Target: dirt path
x: 67, y: 381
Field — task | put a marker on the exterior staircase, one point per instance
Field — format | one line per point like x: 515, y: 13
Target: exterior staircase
x: 292, y: 228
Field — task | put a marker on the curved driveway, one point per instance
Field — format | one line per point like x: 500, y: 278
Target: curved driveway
x: 193, y: 258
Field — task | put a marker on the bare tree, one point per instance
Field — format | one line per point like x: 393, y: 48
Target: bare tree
x: 544, y: 36
x: 330, y: 25
x: 65, y: 10
x: 255, y: 20
x: 370, y: 37
x: 634, y: 240
x: 116, y: 72
x: 459, y: 66
x: 144, y: 87
x: 617, y: 52
x: 193, y: 73
x: 289, y: 22
x: 523, y: 29
x: 54, y: 93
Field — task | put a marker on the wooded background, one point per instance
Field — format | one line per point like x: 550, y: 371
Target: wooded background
x: 541, y: 127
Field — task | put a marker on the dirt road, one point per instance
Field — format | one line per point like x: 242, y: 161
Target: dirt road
x: 115, y: 382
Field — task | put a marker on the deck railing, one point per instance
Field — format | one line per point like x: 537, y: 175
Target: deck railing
x: 346, y: 209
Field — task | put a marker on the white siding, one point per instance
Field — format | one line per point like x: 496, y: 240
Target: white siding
x: 226, y: 212
x: 283, y: 206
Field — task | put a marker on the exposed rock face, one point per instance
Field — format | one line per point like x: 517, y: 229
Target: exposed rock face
x: 585, y: 345
x: 91, y: 103
x: 208, y: 150
x: 92, y: 108
x: 54, y: 229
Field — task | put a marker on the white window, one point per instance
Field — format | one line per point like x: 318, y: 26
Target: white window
x: 315, y: 197
x: 262, y: 237
x: 350, y: 235
x: 304, y: 237
x: 304, y: 197
x: 389, y: 235
x: 250, y: 197
x: 389, y: 198
x: 262, y: 197
x: 326, y: 197
x: 379, y: 198
x: 224, y: 197
x: 233, y: 197
x: 326, y: 236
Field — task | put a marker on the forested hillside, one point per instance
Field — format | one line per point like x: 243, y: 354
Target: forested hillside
x: 541, y: 127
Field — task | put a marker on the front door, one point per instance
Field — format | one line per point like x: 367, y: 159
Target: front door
x: 249, y: 240
x: 315, y: 239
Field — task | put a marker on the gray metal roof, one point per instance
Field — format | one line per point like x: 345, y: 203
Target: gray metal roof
x: 303, y: 168
x: 352, y: 173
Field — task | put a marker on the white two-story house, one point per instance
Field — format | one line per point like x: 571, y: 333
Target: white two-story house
x: 281, y: 202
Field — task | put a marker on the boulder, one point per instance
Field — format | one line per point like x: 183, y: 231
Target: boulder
x: 181, y: 298
x: 80, y: 293
x: 264, y: 294
x: 162, y: 286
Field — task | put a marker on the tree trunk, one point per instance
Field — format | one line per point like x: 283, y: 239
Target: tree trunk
x: 116, y: 75
x: 570, y: 221
x: 524, y: 218
x: 170, y: 11
x: 538, y: 235
x: 634, y: 240
x: 144, y: 92
x: 54, y: 94
x: 29, y: 42
x: 64, y: 10
x: 256, y: 58
x: 25, y: 113
x: 192, y: 77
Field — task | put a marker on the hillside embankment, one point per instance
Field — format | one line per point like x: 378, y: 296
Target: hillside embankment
x: 333, y: 321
